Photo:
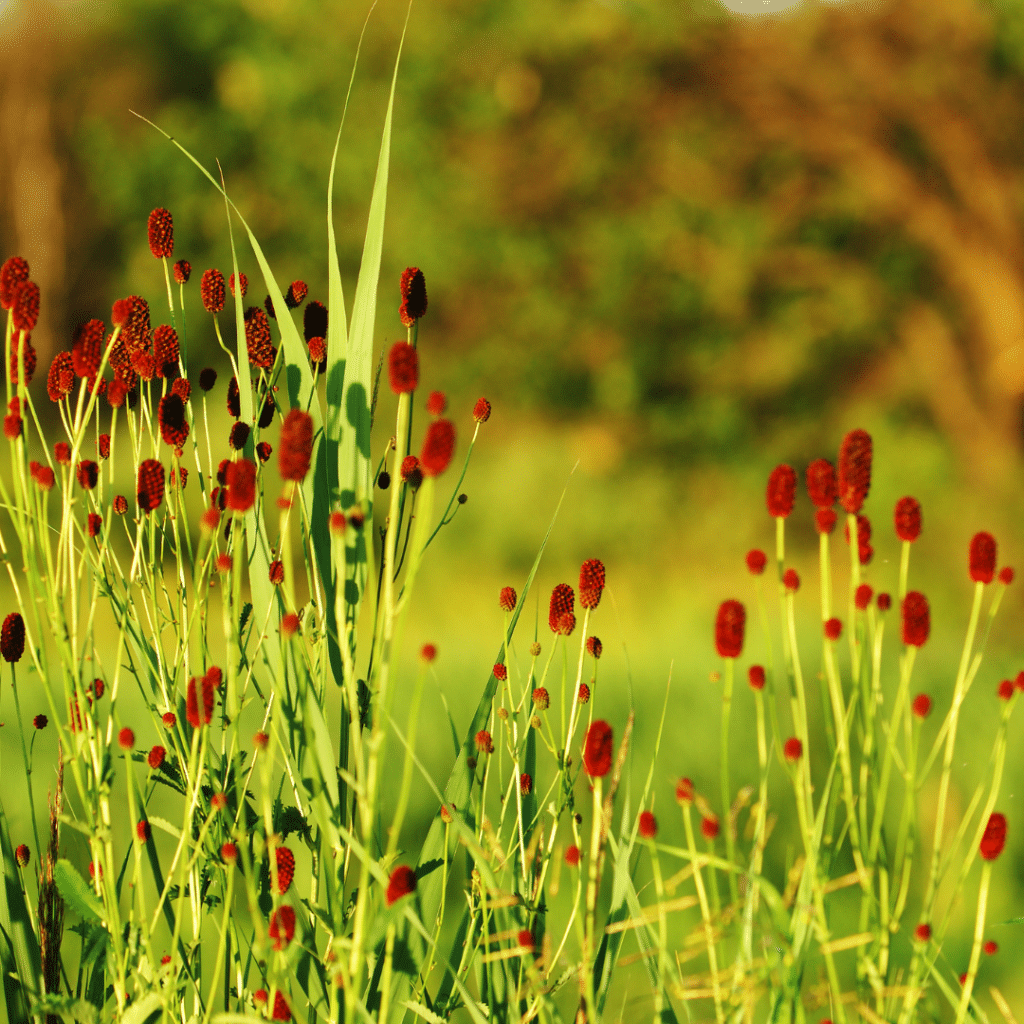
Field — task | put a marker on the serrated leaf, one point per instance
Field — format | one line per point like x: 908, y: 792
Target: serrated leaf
x: 141, y: 1011
x: 76, y: 892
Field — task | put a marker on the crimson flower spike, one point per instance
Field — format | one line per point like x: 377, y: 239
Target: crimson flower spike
x: 822, y: 485
x: 781, y: 491
x: 854, y: 470
x: 982, y: 558
x: 591, y: 583
x: 729, y: 629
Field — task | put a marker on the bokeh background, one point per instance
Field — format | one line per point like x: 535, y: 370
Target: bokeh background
x: 673, y: 244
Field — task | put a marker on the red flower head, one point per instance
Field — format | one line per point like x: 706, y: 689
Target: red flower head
x: 525, y: 783
x: 182, y: 271
x: 833, y: 629
x: 289, y: 625
x: 44, y: 478
x: 907, y: 517
x: 40, y: 721
x: 729, y: 627
x: 560, y: 610
x: 22, y: 855
x: 864, y: 549
x: 1006, y: 575
x: 781, y: 491
x: 437, y: 403
x: 62, y: 453
x: 297, y: 291
x: 983, y: 557
x: 793, y: 749
x: 282, y: 926
x: 241, y: 485
x: 822, y: 485
x: 238, y: 436
x: 229, y: 853
x: 25, y: 308
x: 584, y: 694
x: 437, y: 449
x: 756, y: 561
x: 150, y: 487
x: 143, y: 831
x: 207, y: 378
x: 318, y: 354
x: 192, y: 704
x: 541, y: 699
x: 234, y: 401
x: 13, y: 273
x: 597, y: 749
x: 991, y: 948
x: 791, y: 581
x: 854, y: 470
x: 156, y: 756
x: 1005, y: 691
x: 994, y: 839
x: 825, y: 520
x: 684, y: 792
x: 403, y: 368
x: 648, y: 826
x: 482, y: 410
x: 428, y: 652
x: 12, y: 426
x: 165, y: 349
x: 594, y: 647
x: 281, y: 1011
x: 211, y: 290
x: 29, y: 359
x: 174, y: 427
x: 401, y: 883
x: 591, y: 583
x: 103, y: 446
x: 260, y: 740
x: 709, y: 826
x: 923, y: 932
x: 916, y: 619
x: 126, y: 739
x: 884, y: 602
x: 95, y: 524
x: 500, y: 672
x: 414, y: 296
x: 507, y: 599
x: 86, y: 349
x: 338, y: 522
x: 12, y: 638
x: 277, y: 572
x: 61, y: 377
x: 161, y: 233
x: 285, y: 868
x: 170, y: 719
x: 296, y: 448
x: 572, y: 856
x: 132, y: 316
x: 483, y: 742
x: 117, y: 392
x: 88, y: 474
x: 244, y: 280
x: 264, y: 451
x: 862, y: 597
x: 756, y: 676
x: 258, y: 342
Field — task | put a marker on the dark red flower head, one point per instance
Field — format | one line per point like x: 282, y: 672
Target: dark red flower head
x: 413, y: 287
x: 994, y: 839
x: 401, y: 883
x: 560, y: 608
x: 174, y: 427
x: 591, y: 582
x: 282, y: 926
x: 1006, y: 575
x: 403, y: 368
x: 12, y: 638
x: 884, y: 602
x: 25, y: 308
x: 483, y: 742
x: 822, y: 485
x: 88, y: 474
x: 22, y: 855
x: 264, y: 451
x: 120, y: 504
x: 864, y: 548
x: 238, y: 436
x: 482, y: 410
x: 854, y: 470
x: 791, y: 580
x: 907, y: 517
x: 922, y: 705
x: 207, y: 378
x: 211, y: 290
x: 281, y: 1011
x: 572, y: 856
x: 507, y: 599
x: 297, y: 291
x: 541, y: 698
x: 594, y: 647
x: 285, y: 868
x: 916, y: 619
x: 729, y: 626
x: 781, y: 491
x: 709, y: 826
x: 95, y: 524
x: 296, y: 448
x: 525, y: 783
x: 241, y: 485
x: 12, y: 273
x: 61, y: 377
x: 182, y: 271
x: 983, y: 557
x: 1005, y: 691
x: 756, y: 561
x: 29, y: 359
x: 258, y: 342
x: 597, y: 749
x: 87, y: 349
x: 833, y: 629
x: 648, y: 825
x: 234, y: 399
x: 438, y: 446
x: 825, y: 520
x: 161, y: 233
x: 436, y: 403
x: 756, y: 676
x: 244, y: 280
x: 318, y: 354
x: 165, y: 349
x: 132, y: 316
x: 793, y: 749
x: 314, y: 321
x: 150, y: 487
x: 923, y: 932
x: 684, y: 792
x: 156, y: 756
x: 276, y: 571
x: 143, y: 831
x: 862, y: 598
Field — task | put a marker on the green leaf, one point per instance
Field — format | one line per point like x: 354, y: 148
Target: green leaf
x: 15, y: 920
x: 76, y: 892
x: 141, y: 1011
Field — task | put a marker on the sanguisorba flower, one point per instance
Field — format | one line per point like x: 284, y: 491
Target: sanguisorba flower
x: 413, y: 287
x: 541, y: 698
x: 285, y: 868
x: 401, y: 883
x: 994, y: 838
x: 755, y: 675
x: 597, y: 749
x: 161, y: 233
x: 297, y: 291
x: 12, y: 273
x: 156, y: 756
x: 591, y: 583
x: 282, y: 926
x: 150, y: 487
x: 822, y: 485
x: 482, y: 410
x: 507, y: 599
x: 854, y: 470
x: 791, y: 581
x: 982, y: 558
x: 916, y: 619
x: 25, y: 309
x: 87, y: 349
x: 166, y: 349
x: 174, y: 426
x: 729, y: 627
x: 182, y: 271
x: 403, y: 368
x: 258, y: 342
x: 296, y: 448
x: 561, y: 618
x: 907, y: 518
x: 212, y: 291
x: 781, y: 491
x: 241, y: 485
x: 243, y: 280
x: 833, y: 629
x: 793, y: 750
x: 922, y: 706
x: 314, y: 321
x: 438, y: 446
x: 22, y: 855
x: 594, y: 647
x: 756, y: 561
x: 648, y: 825
x: 12, y: 638
x: 483, y: 742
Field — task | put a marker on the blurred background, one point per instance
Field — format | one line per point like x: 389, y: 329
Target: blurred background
x: 674, y: 244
